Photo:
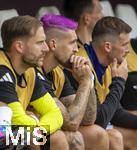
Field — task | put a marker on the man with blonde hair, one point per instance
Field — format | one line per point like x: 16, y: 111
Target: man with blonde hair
x: 24, y: 48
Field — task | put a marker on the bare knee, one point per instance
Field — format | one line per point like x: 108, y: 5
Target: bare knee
x: 98, y: 133
x: 58, y: 141
x: 115, y: 135
x: 78, y: 139
x: 95, y: 137
x: 75, y: 140
x: 129, y: 136
x: 115, y: 139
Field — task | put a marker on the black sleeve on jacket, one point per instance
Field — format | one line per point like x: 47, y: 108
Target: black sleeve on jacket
x: 8, y: 92
x: 134, y: 44
x: 39, y: 88
x: 123, y: 118
x: 110, y: 110
x: 67, y: 88
x: 73, y: 82
x: 106, y: 110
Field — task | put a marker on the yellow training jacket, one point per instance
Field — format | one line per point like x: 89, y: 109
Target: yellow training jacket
x: 51, y: 117
x: 102, y: 89
x: 132, y: 60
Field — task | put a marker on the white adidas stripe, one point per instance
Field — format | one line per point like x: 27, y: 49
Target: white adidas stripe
x: 1, y: 80
x: 40, y: 76
x: 9, y: 77
x: 6, y: 78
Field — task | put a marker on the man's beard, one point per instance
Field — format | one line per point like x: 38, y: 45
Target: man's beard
x: 66, y: 64
x: 29, y: 63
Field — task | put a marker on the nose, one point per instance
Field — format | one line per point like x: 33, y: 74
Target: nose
x: 75, y: 49
x: 45, y: 47
x: 128, y: 49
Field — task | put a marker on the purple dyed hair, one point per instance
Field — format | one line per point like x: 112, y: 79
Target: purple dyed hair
x: 58, y: 21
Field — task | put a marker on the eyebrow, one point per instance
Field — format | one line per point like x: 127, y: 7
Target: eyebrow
x: 74, y: 40
x: 126, y: 43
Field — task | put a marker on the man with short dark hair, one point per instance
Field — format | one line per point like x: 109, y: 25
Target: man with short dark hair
x: 113, y: 43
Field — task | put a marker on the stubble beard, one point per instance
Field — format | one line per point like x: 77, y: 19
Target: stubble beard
x: 65, y: 64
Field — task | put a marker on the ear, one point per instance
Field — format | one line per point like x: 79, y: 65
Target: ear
x: 52, y: 44
x: 108, y: 46
x: 18, y: 45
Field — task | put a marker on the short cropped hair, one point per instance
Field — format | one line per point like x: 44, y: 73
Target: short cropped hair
x: 58, y: 22
x: 74, y: 8
x: 18, y: 27
x: 109, y: 26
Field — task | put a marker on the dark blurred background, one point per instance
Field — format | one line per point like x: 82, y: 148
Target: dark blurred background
x: 28, y: 7
x: 31, y: 7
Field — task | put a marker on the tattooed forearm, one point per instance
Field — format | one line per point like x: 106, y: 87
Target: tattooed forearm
x: 77, y: 107
x: 90, y: 113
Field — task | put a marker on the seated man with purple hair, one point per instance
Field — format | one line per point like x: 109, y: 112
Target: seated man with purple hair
x: 78, y: 108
